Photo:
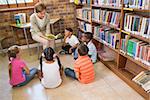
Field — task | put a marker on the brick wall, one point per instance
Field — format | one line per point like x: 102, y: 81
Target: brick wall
x: 55, y: 8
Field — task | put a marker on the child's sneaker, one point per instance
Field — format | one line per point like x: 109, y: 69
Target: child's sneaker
x: 62, y: 52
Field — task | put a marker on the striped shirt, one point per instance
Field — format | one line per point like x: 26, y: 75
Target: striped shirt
x: 85, y: 69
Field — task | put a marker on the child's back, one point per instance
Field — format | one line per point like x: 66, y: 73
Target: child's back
x: 16, y: 72
x: 51, y: 69
x: 85, y: 67
x: 51, y: 75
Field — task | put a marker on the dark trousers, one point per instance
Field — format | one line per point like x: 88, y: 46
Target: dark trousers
x: 70, y: 73
x: 66, y: 48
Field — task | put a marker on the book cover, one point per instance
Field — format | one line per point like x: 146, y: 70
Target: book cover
x: 126, y: 3
x: 130, y: 48
x: 136, y: 24
x: 146, y: 27
x: 143, y: 26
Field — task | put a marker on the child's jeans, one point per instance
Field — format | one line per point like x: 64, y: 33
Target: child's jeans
x: 66, y: 49
x: 33, y: 71
x: 70, y: 73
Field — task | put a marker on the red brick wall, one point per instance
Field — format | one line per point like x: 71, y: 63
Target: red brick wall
x: 55, y: 8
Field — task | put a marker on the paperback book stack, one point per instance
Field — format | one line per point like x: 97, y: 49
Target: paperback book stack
x: 106, y: 17
x: 137, y: 25
x: 143, y: 79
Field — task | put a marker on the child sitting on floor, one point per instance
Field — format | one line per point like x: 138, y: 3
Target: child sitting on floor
x: 70, y: 41
x: 86, y: 38
x: 19, y: 73
x: 50, y: 70
x: 83, y: 67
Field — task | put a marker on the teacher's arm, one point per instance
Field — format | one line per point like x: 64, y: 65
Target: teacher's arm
x: 48, y: 30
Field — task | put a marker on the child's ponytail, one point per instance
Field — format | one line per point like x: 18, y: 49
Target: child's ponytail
x: 40, y: 74
x: 59, y: 63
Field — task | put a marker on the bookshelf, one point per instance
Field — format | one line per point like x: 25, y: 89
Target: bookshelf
x: 123, y: 64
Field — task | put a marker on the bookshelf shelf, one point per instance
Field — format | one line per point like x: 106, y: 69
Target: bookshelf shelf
x: 136, y: 61
x: 106, y: 45
x: 83, y: 20
x: 136, y: 36
x: 123, y: 61
x: 106, y: 7
x: 16, y: 9
x: 109, y: 25
x: 136, y: 10
x: 127, y: 77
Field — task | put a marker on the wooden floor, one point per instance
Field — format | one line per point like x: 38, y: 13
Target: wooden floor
x: 107, y: 86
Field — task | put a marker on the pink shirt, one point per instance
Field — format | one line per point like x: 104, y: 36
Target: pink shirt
x: 17, y: 72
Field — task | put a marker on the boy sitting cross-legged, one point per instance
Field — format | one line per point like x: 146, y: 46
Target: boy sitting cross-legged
x: 83, y: 67
x: 70, y: 42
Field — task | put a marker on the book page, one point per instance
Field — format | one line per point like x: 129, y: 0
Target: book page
x: 3, y: 2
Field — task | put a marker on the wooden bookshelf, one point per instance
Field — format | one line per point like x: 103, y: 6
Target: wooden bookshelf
x: 107, y: 7
x: 87, y: 21
x: 137, y: 36
x: 136, y: 61
x: 120, y: 66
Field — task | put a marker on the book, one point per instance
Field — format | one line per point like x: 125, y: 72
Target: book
x: 143, y: 79
x: 20, y: 18
x: 51, y: 36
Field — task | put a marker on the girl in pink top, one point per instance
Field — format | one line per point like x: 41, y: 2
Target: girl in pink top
x: 19, y: 73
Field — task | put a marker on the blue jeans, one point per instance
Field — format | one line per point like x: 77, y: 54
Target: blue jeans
x: 33, y: 71
x: 70, y: 73
x: 75, y: 54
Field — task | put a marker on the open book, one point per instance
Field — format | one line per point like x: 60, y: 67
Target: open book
x: 51, y: 36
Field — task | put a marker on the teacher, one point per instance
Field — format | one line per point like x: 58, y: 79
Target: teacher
x: 40, y: 25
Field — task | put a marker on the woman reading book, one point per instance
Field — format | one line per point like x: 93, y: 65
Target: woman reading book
x: 40, y: 25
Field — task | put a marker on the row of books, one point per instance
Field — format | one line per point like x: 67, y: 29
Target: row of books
x: 115, y: 3
x: 143, y: 79
x: 85, y: 26
x: 137, y: 49
x: 140, y: 4
x: 88, y: 2
x: 107, y: 35
x: 137, y: 25
x: 84, y: 13
x: 107, y: 17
